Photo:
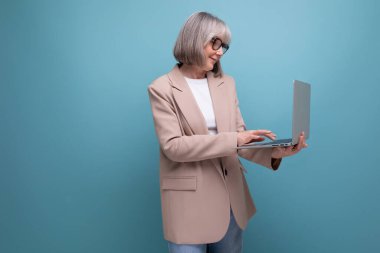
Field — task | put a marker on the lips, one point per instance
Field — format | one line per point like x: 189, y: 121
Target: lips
x: 215, y: 60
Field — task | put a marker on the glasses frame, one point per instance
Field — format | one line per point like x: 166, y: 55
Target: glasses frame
x: 224, y: 46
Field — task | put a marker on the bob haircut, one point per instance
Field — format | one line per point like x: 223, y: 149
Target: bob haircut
x: 197, y: 31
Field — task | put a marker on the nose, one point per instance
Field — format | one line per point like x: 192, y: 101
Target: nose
x: 219, y: 51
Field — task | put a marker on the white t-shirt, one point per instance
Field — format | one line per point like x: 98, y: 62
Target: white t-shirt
x: 201, y: 92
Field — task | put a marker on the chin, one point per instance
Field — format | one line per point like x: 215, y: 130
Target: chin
x: 210, y: 67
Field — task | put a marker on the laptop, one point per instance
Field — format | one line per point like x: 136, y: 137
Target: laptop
x: 301, y: 119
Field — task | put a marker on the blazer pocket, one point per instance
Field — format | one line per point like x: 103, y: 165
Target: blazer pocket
x: 183, y: 183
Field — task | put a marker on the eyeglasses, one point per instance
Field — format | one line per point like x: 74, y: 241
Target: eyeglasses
x: 217, y: 43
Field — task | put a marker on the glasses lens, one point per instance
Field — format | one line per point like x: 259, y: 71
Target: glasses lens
x: 225, y: 48
x: 217, y: 43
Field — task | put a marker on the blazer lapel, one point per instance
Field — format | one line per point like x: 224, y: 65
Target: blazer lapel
x: 186, y: 102
x: 219, y: 102
x: 221, y: 110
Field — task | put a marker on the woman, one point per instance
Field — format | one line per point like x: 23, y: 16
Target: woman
x: 205, y: 199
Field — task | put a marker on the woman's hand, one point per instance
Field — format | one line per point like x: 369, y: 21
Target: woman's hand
x: 280, y: 152
x: 254, y: 136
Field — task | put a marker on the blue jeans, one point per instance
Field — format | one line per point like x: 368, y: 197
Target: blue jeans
x: 232, y: 242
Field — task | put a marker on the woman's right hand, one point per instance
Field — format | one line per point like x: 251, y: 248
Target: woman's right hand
x: 254, y: 136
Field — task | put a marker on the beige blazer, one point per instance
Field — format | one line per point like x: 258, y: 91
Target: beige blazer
x: 200, y: 174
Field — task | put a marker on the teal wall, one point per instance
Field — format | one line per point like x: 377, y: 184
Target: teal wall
x: 78, y: 152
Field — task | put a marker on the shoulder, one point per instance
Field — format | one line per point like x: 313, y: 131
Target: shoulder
x: 229, y: 82
x: 228, y: 79
x: 161, y: 83
x: 161, y: 88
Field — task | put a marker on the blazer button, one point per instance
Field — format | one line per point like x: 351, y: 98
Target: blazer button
x: 225, y: 172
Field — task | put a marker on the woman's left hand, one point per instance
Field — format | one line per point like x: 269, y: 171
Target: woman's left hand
x: 280, y: 152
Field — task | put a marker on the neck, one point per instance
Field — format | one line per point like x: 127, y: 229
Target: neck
x: 192, y: 71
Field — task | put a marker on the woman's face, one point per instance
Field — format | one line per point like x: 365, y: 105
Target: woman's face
x: 212, y: 56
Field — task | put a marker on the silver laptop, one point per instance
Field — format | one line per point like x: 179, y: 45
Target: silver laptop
x: 301, y: 119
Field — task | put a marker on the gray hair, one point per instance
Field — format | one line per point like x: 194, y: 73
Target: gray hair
x: 197, y: 31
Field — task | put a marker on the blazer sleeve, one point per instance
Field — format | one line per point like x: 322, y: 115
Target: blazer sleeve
x: 262, y: 156
x: 181, y: 148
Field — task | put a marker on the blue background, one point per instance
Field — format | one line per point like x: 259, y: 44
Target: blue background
x: 78, y: 152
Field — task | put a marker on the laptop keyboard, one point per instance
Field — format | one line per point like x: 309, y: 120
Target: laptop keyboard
x: 270, y: 143
x: 280, y: 141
